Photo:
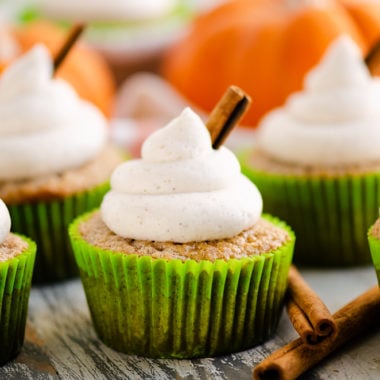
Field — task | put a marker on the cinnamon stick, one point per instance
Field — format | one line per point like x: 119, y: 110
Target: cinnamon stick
x: 307, y: 312
x: 72, y: 37
x: 226, y: 114
x: 352, y: 320
x: 372, y: 59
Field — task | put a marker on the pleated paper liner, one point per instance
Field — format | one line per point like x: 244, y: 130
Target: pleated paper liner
x: 330, y: 216
x: 173, y: 309
x: 374, y: 246
x: 15, y: 283
x: 46, y: 222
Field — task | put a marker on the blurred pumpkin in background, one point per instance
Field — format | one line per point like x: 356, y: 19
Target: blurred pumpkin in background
x: 84, y: 68
x: 264, y: 46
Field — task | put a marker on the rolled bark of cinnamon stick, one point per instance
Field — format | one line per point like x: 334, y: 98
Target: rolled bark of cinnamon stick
x: 226, y: 114
x: 307, y: 312
x: 372, y: 59
x: 352, y: 320
x: 70, y: 41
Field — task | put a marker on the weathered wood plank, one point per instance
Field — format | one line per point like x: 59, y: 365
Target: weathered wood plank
x: 61, y: 342
x: 33, y: 355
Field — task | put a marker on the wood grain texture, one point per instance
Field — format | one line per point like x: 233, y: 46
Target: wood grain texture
x: 61, y: 343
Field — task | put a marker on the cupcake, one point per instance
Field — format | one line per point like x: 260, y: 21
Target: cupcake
x: 17, y: 255
x: 374, y: 245
x: 55, y: 162
x: 317, y: 159
x: 179, y: 262
x: 84, y: 68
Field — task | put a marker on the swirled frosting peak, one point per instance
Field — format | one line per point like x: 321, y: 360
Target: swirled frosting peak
x: 44, y: 126
x: 181, y: 190
x: 334, y: 120
x: 5, y: 221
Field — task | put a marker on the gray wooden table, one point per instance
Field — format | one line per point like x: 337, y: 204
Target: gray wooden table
x: 61, y: 343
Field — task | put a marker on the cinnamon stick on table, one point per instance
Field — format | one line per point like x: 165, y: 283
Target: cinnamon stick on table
x: 70, y: 41
x: 226, y: 114
x: 292, y: 360
x: 307, y: 312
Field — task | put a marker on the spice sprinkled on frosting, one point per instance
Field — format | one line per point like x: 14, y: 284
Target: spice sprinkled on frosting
x: 45, y: 127
x: 334, y: 120
x: 5, y: 222
x: 182, y: 189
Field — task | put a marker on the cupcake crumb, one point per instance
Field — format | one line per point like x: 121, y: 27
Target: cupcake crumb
x: 12, y: 247
x: 376, y: 229
x: 260, y: 160
x: 59, y: 185
x: 263, y: 237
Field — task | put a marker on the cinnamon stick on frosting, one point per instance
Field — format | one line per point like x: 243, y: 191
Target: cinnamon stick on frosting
x: 226, y: 114
x: 307, y: 312
x: 70, y: 41
x: 292, y: 360
x: 372, y: 58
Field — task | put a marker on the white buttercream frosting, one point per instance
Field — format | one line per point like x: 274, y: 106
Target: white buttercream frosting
x: 44, y: 126
x: 5, y: 221
x: 101, y: 10
x: 334, y: 120
x: 181, y: 190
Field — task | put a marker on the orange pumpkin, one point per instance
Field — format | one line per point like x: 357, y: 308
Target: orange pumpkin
x: 264, y: 46
x: 85, y: 69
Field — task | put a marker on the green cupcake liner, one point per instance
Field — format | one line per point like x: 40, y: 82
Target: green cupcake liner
x: 15, y: 283
x: 46, y: 222
x: 173, y: 309
x: 330, y: 216
x: 374, y: 246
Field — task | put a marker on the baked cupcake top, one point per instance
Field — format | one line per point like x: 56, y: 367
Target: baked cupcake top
x: 10, y: 245
x: 334, y: 120
x: 375, y: 231
x: 45, y: 127
x: 181, y: 190
x: 263, y: 237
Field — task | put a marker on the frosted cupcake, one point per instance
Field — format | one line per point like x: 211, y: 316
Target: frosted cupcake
x: 179, y: 262
x: 17, y: 255
x: 317, y: 159
x: 54, y: 158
